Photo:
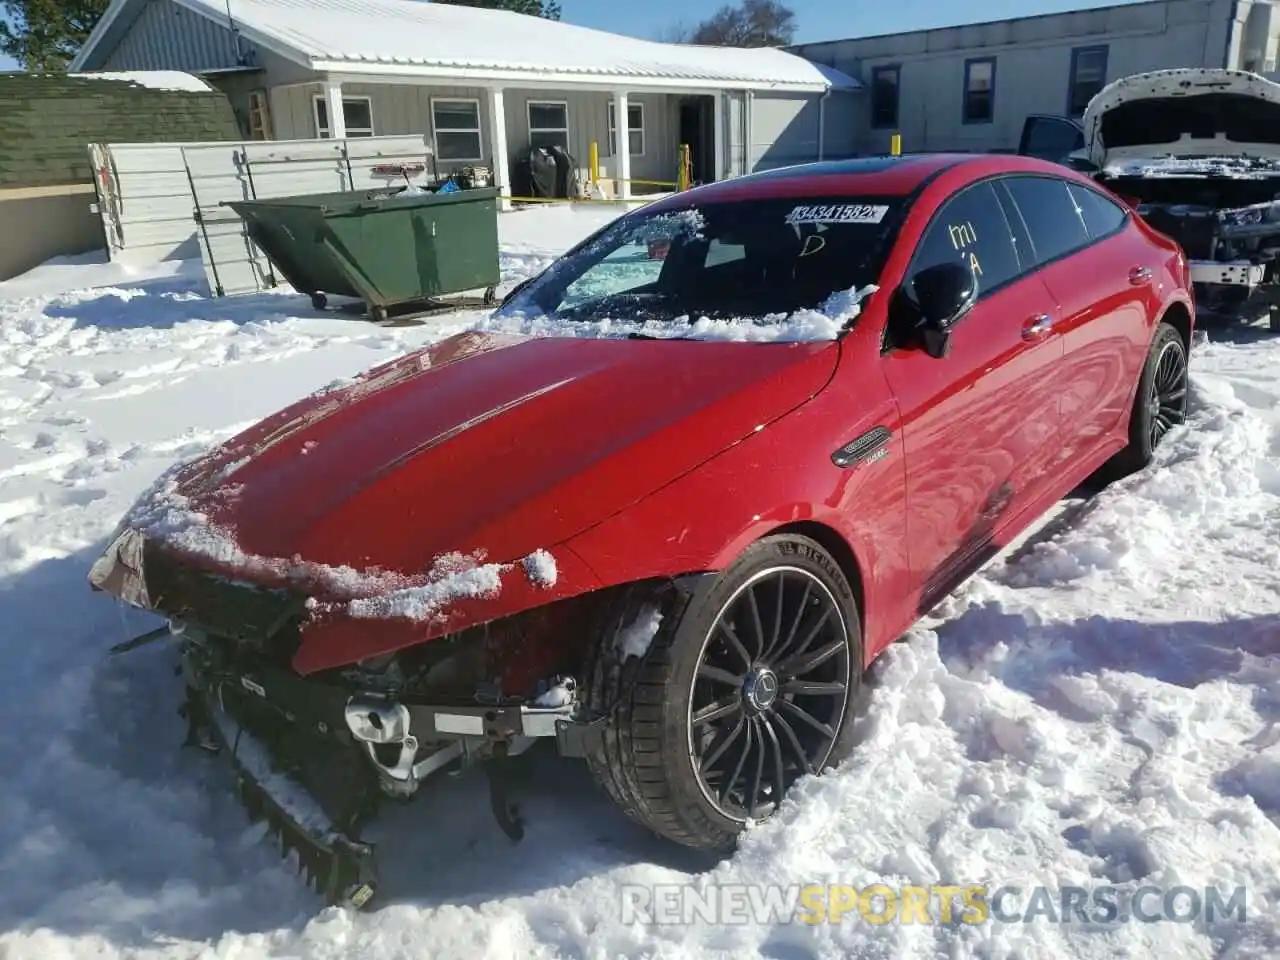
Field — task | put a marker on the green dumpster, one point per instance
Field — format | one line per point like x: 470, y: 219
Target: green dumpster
x: 388, y: 250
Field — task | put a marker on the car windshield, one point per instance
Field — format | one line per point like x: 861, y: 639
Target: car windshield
x: 752, y: 261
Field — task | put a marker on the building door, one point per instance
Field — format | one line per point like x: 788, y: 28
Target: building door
x: 697, y: 129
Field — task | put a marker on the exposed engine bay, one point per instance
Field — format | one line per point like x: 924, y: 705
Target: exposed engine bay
x: 1227, y: 222
x: 1197, y: 153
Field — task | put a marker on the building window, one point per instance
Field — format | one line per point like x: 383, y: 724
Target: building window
x: 635, y: 128
x: 548, y: 124
x: 1088, y: 76
x: 884, y: 96
x: 357, y: 111
x: 980, y: 90
x: 456, y: 127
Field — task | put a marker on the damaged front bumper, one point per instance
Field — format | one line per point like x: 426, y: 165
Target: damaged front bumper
x: 274, y: 725
x: 314, y: 757
x: 339, y: 867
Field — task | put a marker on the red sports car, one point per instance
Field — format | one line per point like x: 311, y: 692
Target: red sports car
x: 668, y: 503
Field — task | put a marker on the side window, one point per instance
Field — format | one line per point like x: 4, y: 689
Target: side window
x: 971, y: 228
x: 1102, y: 216
x: 1050, y: 214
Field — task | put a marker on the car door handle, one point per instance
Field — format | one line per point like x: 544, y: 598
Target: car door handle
x: 1036, y: 327
x: 1140, y: 275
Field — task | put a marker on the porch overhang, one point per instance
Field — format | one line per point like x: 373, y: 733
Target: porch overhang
x: 456, y: 75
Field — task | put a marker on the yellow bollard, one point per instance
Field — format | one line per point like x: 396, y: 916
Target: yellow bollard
x: 685, y: 178
x: 593, y: 161
x: 895, y: 145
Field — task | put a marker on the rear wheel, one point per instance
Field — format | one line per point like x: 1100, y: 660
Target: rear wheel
x: 1160, y: 404
x: 753, y: 687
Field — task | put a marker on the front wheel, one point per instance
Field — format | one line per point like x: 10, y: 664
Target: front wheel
x: 753, y: 687
x: 1160, y: 403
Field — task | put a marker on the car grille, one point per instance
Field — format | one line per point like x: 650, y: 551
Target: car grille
x: 246, y: 614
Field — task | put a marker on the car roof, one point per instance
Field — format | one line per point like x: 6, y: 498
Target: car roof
x: 881, y: 176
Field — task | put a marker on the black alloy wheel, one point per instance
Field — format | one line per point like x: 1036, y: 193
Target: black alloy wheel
x: 769, y: 693
x: 1168, y: 404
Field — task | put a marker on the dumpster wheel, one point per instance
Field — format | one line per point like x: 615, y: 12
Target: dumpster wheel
x: 490, y: 296
x: 319, y: 301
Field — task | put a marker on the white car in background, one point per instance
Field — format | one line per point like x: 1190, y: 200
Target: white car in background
x: 1197, y: 153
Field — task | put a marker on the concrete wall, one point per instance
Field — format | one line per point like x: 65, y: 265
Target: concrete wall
x: 1033, y: 62
x: 39, y: 223
x: 404, y: 109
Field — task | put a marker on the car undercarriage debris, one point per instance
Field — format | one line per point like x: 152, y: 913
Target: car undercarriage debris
x: 315, y: 759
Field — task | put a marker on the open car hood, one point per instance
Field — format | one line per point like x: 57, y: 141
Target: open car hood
x: 1178, y: 122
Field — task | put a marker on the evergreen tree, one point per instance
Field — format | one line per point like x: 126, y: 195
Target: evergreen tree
x: 45, y: 35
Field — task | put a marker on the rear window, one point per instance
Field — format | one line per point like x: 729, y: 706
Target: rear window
x: 740, y: 260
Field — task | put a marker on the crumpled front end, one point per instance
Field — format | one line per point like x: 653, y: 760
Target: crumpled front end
x: 316, y: 755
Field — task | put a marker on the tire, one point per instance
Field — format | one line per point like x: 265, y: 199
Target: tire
x: 645, y: 759
x: 1166, y: 346
x: 1273, y: 320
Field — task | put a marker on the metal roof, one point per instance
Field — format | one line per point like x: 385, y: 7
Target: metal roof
x: 408, y: 38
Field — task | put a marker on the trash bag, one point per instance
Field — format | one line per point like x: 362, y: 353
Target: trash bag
x: 535, y: 174
x: 567, y: 182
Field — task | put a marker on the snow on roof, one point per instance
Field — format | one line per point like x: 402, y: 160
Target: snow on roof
x: 411, y: 38
x: 154, y: 79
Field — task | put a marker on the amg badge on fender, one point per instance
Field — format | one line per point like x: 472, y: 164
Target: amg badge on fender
x: 867, y: 448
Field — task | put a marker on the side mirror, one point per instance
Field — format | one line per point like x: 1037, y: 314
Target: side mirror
x: 943, y: 294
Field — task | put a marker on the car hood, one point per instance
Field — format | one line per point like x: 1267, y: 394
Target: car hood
x: 1186, y: 114
x: 492, y: 444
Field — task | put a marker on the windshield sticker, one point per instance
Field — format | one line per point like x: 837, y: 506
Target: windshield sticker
x: 837, y: 213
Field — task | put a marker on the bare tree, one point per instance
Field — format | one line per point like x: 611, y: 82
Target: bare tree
x: 753, y: 23
x: 537, y: 8
x: 678, y: 32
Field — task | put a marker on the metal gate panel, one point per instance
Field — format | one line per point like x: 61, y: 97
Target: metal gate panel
x: 164, y: 201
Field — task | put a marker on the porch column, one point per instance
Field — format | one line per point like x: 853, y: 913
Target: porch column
x: 498, y: 147
x: 718, y: 134
x: 622, y: 144
x: 333, y: 109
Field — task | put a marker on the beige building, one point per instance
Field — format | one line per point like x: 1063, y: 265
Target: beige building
x: 486, y: 86
x: 971, y: 87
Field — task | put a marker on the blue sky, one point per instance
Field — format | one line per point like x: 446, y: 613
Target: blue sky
x: 818, y: 19
x: 815, y: 19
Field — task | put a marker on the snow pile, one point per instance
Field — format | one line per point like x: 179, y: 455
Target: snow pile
x: 173, y: 80
x: 540, y: 567
x: 452, y: 577
x: 635, y: 639
x: 1100, y: 709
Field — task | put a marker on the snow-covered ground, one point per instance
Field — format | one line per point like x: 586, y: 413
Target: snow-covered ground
x: 1102, y: 707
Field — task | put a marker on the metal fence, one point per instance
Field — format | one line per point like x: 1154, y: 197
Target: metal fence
x: 162, y: 201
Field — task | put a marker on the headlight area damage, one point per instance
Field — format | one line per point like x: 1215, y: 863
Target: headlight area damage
x: 327, y: 704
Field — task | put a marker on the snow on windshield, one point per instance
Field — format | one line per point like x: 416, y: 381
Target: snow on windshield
x: 790, y: 270
x: 1237, y: 168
